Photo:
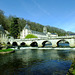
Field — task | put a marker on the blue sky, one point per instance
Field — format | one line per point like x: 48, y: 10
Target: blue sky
x: 56, y: 13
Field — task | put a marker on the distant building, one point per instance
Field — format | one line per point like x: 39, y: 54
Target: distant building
x: 3, y: 35
x: 44, y: 30
x: 52, y: 34
x: 26, y: 30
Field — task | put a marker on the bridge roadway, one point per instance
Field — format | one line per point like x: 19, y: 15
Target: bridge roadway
x: 40, y: 42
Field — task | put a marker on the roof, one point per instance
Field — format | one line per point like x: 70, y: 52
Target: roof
x: 27, y: 27
x: 36, y: 32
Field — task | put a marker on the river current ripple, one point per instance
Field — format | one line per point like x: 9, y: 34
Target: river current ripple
x: 36, y: 62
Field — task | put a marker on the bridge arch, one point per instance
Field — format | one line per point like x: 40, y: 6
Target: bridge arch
x: 8, y: 43
x: 44, y: 43
x: 22, y: 44
x: 34, y: 44
x: 63, y: 43
x: 14, y: 44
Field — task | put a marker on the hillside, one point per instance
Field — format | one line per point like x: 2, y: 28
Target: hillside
x: 15, y: 25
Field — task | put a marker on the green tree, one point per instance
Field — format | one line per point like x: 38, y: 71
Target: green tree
x: 31, y: 36
x: 4, y: 21
x: 15, y: 28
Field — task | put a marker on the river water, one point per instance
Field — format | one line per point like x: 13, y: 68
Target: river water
x: 36, y: 62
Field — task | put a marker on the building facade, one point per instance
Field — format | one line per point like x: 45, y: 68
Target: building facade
x: 26, y: 30
x: 3, y: 35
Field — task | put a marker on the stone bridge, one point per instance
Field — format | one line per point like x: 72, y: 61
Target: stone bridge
x: 40, y: 42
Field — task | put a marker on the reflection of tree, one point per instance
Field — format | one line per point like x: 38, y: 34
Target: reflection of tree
x: 10, y: 64
x: 16, y: 63
x: 11, y: 67
x: 37, y: 55
x: 62, y: 54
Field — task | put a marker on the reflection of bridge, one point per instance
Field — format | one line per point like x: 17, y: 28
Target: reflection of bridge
x: 41, y: 41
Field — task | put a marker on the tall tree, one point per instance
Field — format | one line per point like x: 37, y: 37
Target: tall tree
x: 15, y: 28
x: 2, y: 18
x: 4, y: 21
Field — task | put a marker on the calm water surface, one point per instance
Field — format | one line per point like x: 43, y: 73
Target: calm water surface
x: 36, y: 62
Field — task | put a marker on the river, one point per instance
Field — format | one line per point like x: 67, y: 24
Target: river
x: 36, y: 62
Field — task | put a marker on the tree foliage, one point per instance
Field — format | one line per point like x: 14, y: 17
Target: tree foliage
x: 31, y: 36
x: 15, y: 28
x: 4, y: 21
x: 15, y: 25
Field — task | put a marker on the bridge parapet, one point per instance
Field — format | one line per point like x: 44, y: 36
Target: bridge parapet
x: 44, y: 38
x: 60, y: 37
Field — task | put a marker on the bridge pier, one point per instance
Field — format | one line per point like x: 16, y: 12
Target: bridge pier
x: 18, y: 43
x: 72, y: 43
x: 54, y: 44
x: 28, y: 43
x: 40, y: 45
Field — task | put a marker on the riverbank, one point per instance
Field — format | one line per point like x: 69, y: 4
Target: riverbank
x: 72, y: 69
x: 9, y: 50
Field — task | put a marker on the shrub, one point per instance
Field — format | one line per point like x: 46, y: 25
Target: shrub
x: 6, y: 50
x: 31, y: 36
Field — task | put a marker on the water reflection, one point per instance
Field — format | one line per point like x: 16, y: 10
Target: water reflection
x: 30, y: 62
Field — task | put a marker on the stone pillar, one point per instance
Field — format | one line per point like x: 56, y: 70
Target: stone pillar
x: 40, y: 43
x: 28, y: 43
x: 54, y: 43
x: 72, y: 42
x: 18, y: 43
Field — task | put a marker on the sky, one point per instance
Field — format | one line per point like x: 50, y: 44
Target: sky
x: 56, y: 13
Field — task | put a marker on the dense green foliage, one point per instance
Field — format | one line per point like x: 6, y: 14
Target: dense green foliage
x: 72, y: 69
x: 6, y: 50
x: 15, y: 25
x: 4, y: 21
x: 31, y: 36
x: 73, y: 72
x: 14, y: 28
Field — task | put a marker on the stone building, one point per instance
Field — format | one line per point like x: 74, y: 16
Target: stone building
x: 52, y: 34
x: 26, y: 30
x: 3, y: 35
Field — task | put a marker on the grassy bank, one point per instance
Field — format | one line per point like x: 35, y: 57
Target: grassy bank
x: 72, y: 69
x: 6, y: 50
